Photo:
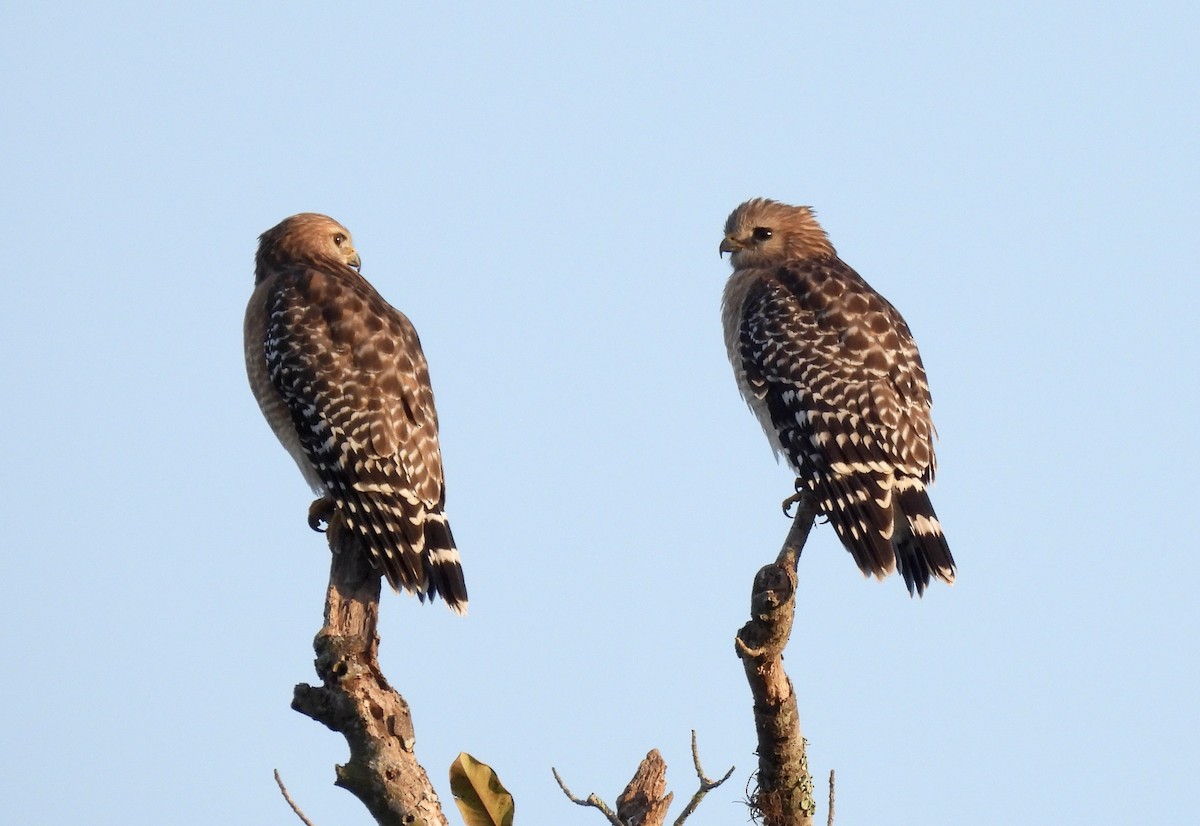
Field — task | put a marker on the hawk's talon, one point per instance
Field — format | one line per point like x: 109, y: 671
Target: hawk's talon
x: 321, y: 510
x: 794, y: 499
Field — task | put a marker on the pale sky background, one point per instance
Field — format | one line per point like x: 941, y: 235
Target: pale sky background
x: 541, y: 188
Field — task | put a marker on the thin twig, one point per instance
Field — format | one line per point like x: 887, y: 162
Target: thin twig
x: 829, y: 820
x: 290, y: 802
x: 592, y: 800
x: 706, y: 785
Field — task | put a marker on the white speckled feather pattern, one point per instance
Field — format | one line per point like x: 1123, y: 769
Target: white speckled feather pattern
x: 341, y: 377
x: 833, y: 374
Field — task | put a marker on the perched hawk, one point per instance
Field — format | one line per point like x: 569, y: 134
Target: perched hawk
x: 833, y: 373
x: 340, y: 376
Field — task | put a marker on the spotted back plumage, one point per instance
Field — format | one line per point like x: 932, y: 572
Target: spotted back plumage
x: 341, y: 376
x: 833, y: 373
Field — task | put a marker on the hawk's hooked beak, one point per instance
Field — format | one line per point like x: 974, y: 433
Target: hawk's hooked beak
x: 355, y: 261
x: 729, y: 245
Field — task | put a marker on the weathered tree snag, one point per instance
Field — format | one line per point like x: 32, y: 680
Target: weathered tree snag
x: 356, y: 700
x: 645, y: 801
x: 785, y: 789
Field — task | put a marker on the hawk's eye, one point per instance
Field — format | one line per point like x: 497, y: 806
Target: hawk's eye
x: 338, y: 239
x: 761, y: 233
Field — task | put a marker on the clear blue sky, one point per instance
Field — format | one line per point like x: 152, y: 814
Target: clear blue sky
x: 542, y: 191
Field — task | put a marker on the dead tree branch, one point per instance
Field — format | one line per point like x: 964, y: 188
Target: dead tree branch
x: 706, y: 785
x: 356, y: 700
x: 829, y: 820
x: 593, y: 800
x: 645, y: 800
x: 785, y: 789
x: 290, y: 802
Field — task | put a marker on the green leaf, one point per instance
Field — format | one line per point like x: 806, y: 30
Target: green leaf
x: 480, y: 796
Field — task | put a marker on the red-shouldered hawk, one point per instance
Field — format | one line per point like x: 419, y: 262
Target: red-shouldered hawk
x: 833, y: 373
x: 340, y: 376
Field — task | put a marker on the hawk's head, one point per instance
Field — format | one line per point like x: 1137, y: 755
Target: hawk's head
x: 762, y: 232
x: 307, y: 238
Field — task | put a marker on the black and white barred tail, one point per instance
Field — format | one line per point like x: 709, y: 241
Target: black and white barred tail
x: 410, y: 544
x: 886, y: 525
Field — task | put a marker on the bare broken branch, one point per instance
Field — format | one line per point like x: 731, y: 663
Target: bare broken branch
x: 645, y: 800
x: 592, y: 800
x: 829, y: 820
x: 356, y: 700
x: 706, y: 785
x: 785, y: 791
